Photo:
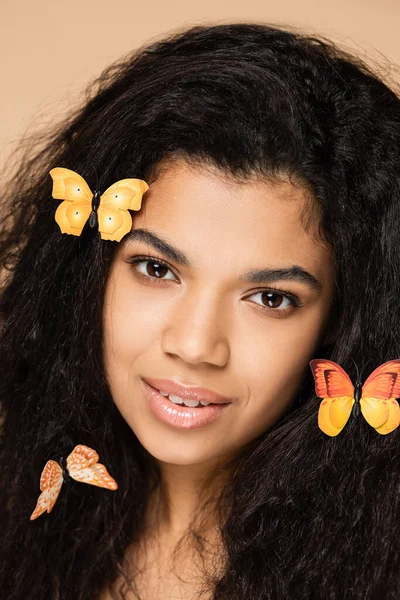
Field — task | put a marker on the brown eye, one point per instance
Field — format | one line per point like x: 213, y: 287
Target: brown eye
x: 276, y: 303
x: 155, y: 269
x: 152, y: 269
x: 272, y: 299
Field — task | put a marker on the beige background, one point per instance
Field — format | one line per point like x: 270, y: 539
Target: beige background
x: 50, y: 49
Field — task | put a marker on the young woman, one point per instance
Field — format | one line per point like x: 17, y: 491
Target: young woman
x: 267, y: 236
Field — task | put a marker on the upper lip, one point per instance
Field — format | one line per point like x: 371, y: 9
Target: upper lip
x: 188, y: 393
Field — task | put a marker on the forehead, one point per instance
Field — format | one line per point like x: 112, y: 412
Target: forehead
x: 201, y: 210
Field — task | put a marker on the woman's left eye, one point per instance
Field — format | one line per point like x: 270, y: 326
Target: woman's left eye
x: 156, y: 269
x: 276, y: 300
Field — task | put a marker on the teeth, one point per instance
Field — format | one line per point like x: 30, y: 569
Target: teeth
x: 178, y: 400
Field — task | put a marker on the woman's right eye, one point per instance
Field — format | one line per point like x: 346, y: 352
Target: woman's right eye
x: 154, y: 270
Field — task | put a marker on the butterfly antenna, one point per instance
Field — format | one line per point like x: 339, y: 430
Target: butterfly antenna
x: 369, y: 360
x: 97, y: 177
x: 358, y: 374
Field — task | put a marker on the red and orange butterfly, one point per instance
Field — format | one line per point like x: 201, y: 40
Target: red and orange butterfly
x: 376, y: 399
x: 82, y: 465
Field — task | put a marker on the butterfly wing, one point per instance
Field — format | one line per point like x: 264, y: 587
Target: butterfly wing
x: 378, y: 398
x: 384, y: 382
x: 114, y: 219
x: 334, y: 386
x: 393, y: 419
x: 51, y: 481
x: 72, y: 214
x: 83, y: 466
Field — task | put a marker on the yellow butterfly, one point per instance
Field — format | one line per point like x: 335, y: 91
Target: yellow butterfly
x: 109, y: 211
x: 82, y: 465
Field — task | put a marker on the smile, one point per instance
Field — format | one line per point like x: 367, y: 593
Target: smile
x: 178, y: 414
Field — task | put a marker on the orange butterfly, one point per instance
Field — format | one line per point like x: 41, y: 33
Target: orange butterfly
x: 109, y: 211
x: 376, y: 399
x: 82, y: 465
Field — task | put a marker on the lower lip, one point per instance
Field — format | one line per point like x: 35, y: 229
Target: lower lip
x: 182, y: 417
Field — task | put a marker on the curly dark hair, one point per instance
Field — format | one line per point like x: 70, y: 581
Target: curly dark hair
x: 310, y: 517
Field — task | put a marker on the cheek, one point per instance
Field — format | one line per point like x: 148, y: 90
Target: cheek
x: 130, y: 325
x: 272, y: 387
x: 129, y: 329
x: 273, y: 363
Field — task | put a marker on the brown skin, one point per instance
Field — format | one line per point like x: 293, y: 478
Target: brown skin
x: 205, y: 326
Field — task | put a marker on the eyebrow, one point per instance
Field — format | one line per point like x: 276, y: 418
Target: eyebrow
x: 293, y: 273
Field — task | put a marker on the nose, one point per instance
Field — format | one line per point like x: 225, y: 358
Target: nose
x: 195, y: 330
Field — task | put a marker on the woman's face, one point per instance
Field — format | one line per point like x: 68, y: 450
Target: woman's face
x: 202, y: 323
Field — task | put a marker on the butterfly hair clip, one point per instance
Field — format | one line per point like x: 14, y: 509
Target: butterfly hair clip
x: 108, y: 211
x: 82, y: 465
x: 376, y: 399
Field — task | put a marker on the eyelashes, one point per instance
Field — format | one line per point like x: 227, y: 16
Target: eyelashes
x: 271, y: 290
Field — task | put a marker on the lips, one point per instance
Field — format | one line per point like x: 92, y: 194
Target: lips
x: 188, y: 393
